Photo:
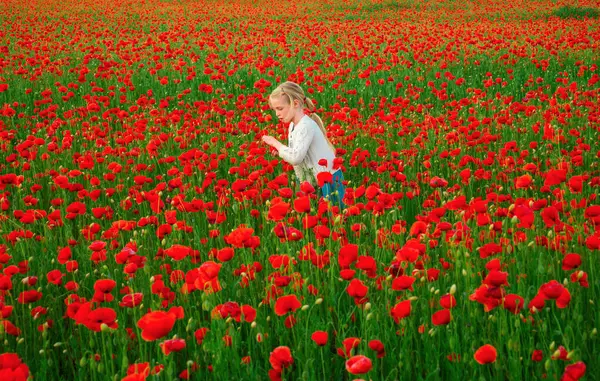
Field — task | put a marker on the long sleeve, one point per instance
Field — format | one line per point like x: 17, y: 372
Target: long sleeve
x: 302, y: 139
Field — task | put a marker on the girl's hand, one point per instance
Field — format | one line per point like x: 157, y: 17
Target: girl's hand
x: 271, y: 141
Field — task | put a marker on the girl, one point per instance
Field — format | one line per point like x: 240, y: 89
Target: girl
x: 309, y: 150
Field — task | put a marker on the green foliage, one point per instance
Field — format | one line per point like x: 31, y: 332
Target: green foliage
x: 570, y: 12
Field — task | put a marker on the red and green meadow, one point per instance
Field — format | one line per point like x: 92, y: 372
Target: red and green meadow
x: 146, y: 232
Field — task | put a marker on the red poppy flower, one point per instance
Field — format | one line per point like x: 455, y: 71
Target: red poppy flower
x: 29, y: 296
x: 348, y: 344
x: 55, y: 277
x: 132, y: 300
x: 401, y: 310
x: 11, y: 367
x: 438, y: 182
x: 281, y: 358
x: 552, y: 289
x: 178, y: 252
x: 285, y: 304
x: 94, y: 319
x: 555, y: 177
x: 448, y: 301
x: 378, y: 347
x: 571, y: 261
x: 537, y: 355
x: 523, y: 182
x: 174, y: 345
x: 358, y: 364
x: 307, y: 188
x: 441, y: 317
x: 320, y: 337
x: 513, y: 302
x: 485, y: 354
x: 200, y: 334
x: 277, y: 212
x: 496, y: 278
x: 302, y: 204
x: 324, y: 178
x: 348, y: 254
x: 573, y: 372
x: 357, y: 289
x: 155, y: 325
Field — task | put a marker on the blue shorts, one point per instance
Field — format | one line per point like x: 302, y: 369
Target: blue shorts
x: 328, y: 190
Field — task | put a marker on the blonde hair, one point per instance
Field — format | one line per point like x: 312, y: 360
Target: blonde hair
x: 292, y: 91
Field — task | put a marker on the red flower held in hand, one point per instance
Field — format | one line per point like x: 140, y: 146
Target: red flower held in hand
x: 358, y: 364
x: 485, y: 354
x: 285, y: 304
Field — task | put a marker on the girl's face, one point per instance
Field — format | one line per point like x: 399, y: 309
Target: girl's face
x: 285, y: 112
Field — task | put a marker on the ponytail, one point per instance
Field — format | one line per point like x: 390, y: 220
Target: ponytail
x: 311, y: 106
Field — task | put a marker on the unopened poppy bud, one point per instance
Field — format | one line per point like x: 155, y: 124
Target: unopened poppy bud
x: 389, y: 277
x: 556, y: 354
x: 83, y: 362
x: 552, y: 345
x: 367, y: 306
x: 594, y: 331
x: 319, y: 301
x: 413, y: 298
x: 305, y: 307
x: 570, y: 355
x: 547, y: 365
x: 369, y: 315
x: 453, y: 289
x: 464, y: 272
x: 259, y: 337
x: 253, y: 325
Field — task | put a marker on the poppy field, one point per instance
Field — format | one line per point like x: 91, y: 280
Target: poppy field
x: 146, y: 232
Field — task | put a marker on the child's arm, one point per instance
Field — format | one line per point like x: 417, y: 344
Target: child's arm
x: 302, y: 139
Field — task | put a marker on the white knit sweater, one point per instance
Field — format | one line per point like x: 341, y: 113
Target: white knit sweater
x: 306, y: 146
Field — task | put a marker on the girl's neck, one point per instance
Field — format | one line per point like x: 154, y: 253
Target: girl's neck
x: 298, y: 117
